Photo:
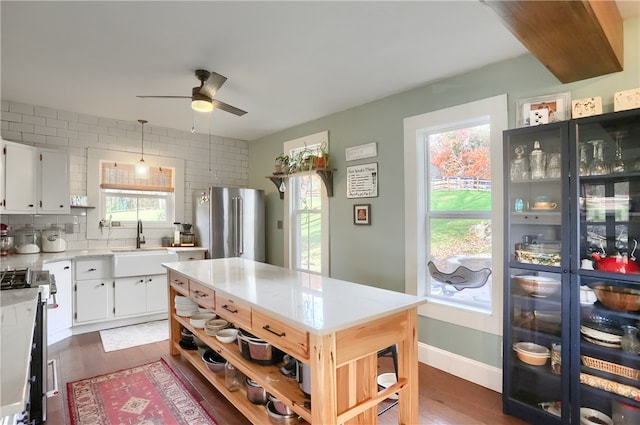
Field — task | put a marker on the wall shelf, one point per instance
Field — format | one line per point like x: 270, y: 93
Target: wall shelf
x: 326, y: 174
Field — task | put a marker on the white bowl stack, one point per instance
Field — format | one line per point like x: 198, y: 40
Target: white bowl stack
x: 185, y: 307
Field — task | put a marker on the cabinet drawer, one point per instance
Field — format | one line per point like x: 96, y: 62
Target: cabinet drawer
x: 289, y: 339
x: 204, y: 296
x: 93, y: 268
x: 234, y: 311
x: 179, y: 283
x: 190, y: 255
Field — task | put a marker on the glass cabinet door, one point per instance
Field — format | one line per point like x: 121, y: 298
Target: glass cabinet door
x: 536, y: 288
x: 608, y: 230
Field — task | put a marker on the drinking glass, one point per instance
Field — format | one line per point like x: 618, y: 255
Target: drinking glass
x: 618, y: 165
x: 598, y: 167
x: 583, y: 166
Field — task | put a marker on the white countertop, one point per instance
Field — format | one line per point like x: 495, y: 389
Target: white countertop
x: 35, y: 261
x: 17, y: 318
x: 321, y: 305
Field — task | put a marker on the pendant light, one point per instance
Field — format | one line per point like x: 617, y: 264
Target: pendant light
x: 142, y: 169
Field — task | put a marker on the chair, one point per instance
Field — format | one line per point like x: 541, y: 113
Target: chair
x: 393, y: 352
x: 461, y: 278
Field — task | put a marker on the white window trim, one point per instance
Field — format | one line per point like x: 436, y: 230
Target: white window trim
x: 321, y: 138
x: 415, y: 206
x: 94, y: 156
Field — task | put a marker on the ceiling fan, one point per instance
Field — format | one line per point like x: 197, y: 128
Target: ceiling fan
x: 202, y: 97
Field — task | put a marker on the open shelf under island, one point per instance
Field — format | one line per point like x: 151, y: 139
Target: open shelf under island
x: 335, y: 327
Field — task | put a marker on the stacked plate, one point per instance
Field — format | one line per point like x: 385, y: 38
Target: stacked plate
x: 185, y: 307
x: 608, y: 338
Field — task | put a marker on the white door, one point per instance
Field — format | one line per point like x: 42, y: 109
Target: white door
x: 157, y: 293
x: 53, y: 192
x: 92, y: 300
x: 130, y: 296
x: 60, y: 313
x: 19, y: 178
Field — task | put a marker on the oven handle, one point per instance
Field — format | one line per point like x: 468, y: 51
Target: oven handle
x: 54, y: 372
x: 54, y: 304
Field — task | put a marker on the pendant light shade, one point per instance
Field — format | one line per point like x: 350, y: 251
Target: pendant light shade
x: 142, y: 169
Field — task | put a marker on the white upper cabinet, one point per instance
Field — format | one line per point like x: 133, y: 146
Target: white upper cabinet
x: 53, y: 188
x: 34, y: 180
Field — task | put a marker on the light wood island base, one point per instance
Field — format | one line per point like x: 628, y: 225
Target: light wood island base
x: 343, y: 361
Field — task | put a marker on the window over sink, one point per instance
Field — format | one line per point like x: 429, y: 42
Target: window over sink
x: 124, y: 197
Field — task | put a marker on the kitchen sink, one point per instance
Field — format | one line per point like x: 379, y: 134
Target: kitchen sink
x: 141, y: 262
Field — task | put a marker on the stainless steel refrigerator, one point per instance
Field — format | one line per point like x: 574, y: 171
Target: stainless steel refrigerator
x: 229, y: 222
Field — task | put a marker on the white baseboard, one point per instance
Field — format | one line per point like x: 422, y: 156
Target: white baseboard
x: 108, y: 324
x: 462, y: 367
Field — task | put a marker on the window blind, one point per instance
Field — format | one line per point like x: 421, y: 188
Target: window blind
x: 122, y: 176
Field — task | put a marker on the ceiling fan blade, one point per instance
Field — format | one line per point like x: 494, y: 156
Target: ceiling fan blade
x: 212, y: 84
x: 228, y: 108
x: 166, y: 97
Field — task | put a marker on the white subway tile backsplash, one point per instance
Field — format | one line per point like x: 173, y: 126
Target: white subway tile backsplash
x: 57, y: 123
x: 11, y: 117
x: 45, y: 112
x: 21, y: 108
x: 32, y: 119
x: 68, y: 116
x: 47, y: 131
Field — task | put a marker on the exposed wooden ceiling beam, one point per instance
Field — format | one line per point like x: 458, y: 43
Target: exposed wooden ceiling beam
x: 575, y: 40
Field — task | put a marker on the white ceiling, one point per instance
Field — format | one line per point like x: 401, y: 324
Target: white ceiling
x: 286, y: 62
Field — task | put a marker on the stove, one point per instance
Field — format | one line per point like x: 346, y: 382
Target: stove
x: 36, y: 408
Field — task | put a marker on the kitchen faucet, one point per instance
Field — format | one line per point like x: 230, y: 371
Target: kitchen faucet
x: 139, y: 236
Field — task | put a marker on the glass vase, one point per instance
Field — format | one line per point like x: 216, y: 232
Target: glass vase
x: 598, y: 167
x: 630, y: 342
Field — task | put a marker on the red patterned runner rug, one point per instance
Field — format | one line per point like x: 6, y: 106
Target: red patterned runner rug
x: 151, y: 394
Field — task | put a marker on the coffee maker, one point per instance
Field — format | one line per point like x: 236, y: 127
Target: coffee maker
x: 186, y: 237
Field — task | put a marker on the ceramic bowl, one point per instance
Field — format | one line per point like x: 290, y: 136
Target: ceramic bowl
x: 199, y: 320
x: 531, y: 353
x: 538, y: 286
x: 618, y: 297
x: 227, y: 335
x: 386, y: 380
x: 214, y: 361
x: 590, y: 416
x: 216, y: 324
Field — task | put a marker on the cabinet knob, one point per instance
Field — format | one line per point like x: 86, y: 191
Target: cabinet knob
x: 91, y: 270
x: 102, y: 284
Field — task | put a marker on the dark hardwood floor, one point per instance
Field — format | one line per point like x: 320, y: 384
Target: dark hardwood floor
x: 444, y: 399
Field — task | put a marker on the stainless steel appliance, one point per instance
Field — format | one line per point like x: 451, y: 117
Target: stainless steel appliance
x: 36, y: 407
x: 229, y: 222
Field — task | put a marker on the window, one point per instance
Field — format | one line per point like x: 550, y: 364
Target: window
x: 125, y: 197
x: 121, y: 195
x: 306, y: 218
x: 459, y: 209
x: 453, y: 210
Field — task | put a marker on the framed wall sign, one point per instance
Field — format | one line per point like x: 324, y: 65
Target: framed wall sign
x: 362, y: 181
x: 362, y: 214
x: 543, y: 109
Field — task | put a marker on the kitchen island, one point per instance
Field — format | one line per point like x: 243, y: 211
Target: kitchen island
x: 333, y: 326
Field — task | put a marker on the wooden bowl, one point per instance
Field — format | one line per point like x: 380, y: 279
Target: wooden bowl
x: 618, y: 297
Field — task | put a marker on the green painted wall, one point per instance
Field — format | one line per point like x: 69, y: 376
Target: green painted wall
x: 374, y: 254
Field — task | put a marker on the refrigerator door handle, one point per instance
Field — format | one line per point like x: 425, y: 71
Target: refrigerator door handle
x: 240, y: 227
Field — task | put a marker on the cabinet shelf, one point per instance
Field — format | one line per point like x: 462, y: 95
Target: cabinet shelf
x: 326, y: 174
x: 283, y: 388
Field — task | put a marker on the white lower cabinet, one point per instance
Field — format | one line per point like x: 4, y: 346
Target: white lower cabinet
x: 60, y: 307
x: 93, y: 300
x: 140, y: 295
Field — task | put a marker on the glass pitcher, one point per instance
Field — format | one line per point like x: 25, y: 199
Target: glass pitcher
x: 630, y: 342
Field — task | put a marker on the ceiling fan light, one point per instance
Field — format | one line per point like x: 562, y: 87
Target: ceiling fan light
x: 201, y: 105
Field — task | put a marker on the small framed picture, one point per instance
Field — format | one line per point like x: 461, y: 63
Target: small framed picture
x: 586, y: 107
x: 362, y: 214
x: 543, y: 109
